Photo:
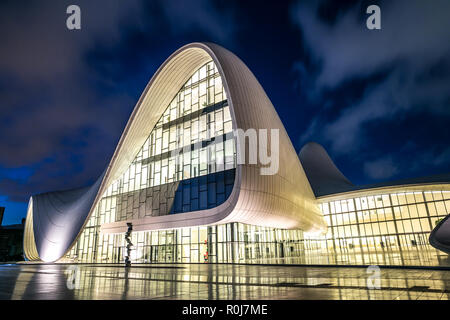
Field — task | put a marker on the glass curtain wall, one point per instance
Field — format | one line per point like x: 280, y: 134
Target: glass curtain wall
x: 369, y: 224
x: 233, y: 242
x: 187, y: 163
x: 392, y: 221
x: 192, y: 139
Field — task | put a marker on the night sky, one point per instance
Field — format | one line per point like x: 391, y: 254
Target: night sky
x: 377, y: 100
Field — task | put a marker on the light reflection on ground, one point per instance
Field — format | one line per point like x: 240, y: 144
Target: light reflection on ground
x: 218, y: 281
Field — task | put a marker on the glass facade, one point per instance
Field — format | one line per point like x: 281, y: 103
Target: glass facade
x: 187, y: 162
x: 389, y: 221
x: 233, y: 242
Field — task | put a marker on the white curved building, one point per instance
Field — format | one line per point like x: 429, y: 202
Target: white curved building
x: 194, y: 188
x: 179, y: 164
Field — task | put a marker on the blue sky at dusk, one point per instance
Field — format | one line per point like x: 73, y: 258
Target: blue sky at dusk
x: 377, y: 100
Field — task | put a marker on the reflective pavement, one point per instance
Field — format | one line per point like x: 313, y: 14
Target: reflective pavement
x: 217, y: 281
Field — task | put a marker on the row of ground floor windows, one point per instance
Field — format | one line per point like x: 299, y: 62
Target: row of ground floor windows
x: 360, y: 244
x: 219, y: 252
x: 232, y: 242
x: 228, y: 243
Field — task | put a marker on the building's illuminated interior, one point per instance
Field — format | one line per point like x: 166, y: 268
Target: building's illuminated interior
x: 393, y: 220
x: 388, y: 221
x: 191, y: 143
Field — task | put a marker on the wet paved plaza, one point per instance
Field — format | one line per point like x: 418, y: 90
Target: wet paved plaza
x: 217, y: 281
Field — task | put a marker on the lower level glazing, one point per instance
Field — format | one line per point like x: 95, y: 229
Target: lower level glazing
x: 391, y: 222
x: 233, y: 242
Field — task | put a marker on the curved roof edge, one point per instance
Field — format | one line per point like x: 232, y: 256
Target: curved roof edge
x: 323, y: 175
x: 419, y: 183
x: 327, y: 180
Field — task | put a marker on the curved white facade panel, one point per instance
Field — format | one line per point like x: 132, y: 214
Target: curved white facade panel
x: 56, y: 218
x: 282, y: 200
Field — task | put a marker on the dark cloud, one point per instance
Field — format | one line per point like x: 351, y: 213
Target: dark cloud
x: 65, y: 96
x: 46, y: 95
x: 381, y: 169
x: 413, y: 32
x: 377, y: 100
x: 409, y: 57
x: 202, y: 15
